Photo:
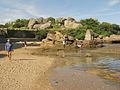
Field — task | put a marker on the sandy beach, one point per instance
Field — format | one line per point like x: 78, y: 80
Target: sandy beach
x: 27, y: 71
x: 24, y: 71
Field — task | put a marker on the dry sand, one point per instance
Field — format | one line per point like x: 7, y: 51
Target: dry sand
x: 24, y: 71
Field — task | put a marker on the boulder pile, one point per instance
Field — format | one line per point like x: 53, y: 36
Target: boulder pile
x: 39, y: 23
x: 58, y: 39
x: 42, y: 23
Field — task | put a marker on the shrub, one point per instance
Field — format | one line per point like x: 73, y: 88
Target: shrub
x: 78, y: 33
x: 41, y: 34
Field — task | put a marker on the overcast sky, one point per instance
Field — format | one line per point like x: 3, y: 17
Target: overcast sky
x: 103, y: 10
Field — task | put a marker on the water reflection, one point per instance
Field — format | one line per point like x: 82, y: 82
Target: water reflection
x: 104, y: 62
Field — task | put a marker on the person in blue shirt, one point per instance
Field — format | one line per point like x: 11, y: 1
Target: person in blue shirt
x: 8, y: 48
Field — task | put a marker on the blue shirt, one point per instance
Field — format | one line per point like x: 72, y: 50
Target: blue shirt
x: 8, y: 46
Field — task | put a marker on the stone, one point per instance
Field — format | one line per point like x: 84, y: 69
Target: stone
x: 70, y: 38
x: 100, y: 36
x: 88, y: 55
x: 45, y: 21
x: 70, y: 19
x: 31, y: 23
x: 50, y: 36
x: 39, y: 23
x: 89, y: 35
x: 71, y: 24
x: 46, y: 25
x: 40, y: 20
x: 117, y: 37
x: 59, y: 36
x: 60, y: 19
x: 37, y: 26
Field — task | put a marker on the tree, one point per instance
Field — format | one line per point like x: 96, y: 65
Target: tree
x: 42, y: 34
x: 20, y: 23
x: 51, y: 19
x: 9, y: 25
x: 78, y: 33
x: 90, y: 23
x: 106, y: 29
x: 2, y: 26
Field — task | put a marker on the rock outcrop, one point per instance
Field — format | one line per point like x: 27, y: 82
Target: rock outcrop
x: 112, y: 39
x: 71, y: 23
x: 57, y: 38
x: 31, y: 23
x: 39, y: 23
x: 40, y: 20
x: 37, y: 26
x: 60, y: 21
x: 42, y: 23
x: 45, y: 26
x: 89, y: 35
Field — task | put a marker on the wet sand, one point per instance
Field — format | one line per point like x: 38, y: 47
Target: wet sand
x: 63, y: 79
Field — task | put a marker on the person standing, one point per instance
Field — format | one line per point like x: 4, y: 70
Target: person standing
x: 8, y: 48
x: 64, y: 43
x: 25, y: 44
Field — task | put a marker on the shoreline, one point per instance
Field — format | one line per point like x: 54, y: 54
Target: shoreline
x: 28, y: 71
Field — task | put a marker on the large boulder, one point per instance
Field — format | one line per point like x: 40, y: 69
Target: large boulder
x: 70, y: 19
x: 71, y: 24
x: 31, y: 23
x: 37, y: 26
x: 115, y: 37
x: 40, y: 20
x: 45, y: 21
x: 60, y: 20
x: 46, y: 25
x: 50, y: 37
x: 100, y: 36
x: 70, y: 38
x: 89, y: 35
x: 59, y: 36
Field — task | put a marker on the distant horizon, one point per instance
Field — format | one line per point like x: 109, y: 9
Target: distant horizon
x: 103, y: 10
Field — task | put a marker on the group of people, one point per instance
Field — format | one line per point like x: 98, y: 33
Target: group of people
x: 9, y: 48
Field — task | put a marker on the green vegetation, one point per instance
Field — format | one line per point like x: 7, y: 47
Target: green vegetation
x: 99, y: 28
x: 103, y: 28
x: 78, y: 33
x: 51, y: 19
x: 90, y: 23
x: 19, y: 23
x: 41, y: 34
x: 2, y: 26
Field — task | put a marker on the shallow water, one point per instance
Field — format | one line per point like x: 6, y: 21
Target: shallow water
x: 104, y: 62
x: 77, y: 58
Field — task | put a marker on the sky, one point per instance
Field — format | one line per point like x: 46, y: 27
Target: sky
x: 103, y: 10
